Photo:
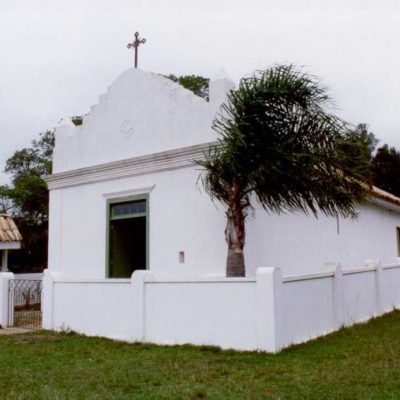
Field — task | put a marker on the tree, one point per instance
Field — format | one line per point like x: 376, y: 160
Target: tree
x: 5, y: 202
x: 367, y: 138
x: 197, y: 84
x: 29, y: 192
x: 385, y: 162
x: 278, y: 145
x: 386, y: 169
x: 27, y: 199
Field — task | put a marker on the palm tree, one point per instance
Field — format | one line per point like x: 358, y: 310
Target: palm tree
x: 279, y: 146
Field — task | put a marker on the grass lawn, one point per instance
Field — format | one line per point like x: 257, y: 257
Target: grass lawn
x: 362, y: 362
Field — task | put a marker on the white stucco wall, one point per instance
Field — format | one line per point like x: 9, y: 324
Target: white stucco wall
x: 390, y: 292
x: 141, y: 113
x: 314, y: 305
x: 302, y: 243
x: 267, y: 313
x: 306, y: 309
x: 94, y: 308
x: 358, y: 302
x: 226, y: 314
x: 183, y: 218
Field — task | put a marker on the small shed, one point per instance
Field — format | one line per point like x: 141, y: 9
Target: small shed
x: 10, y: 239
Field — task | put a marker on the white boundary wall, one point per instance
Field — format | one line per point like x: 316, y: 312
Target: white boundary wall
x: 5, y: 277
x: 265, y: 313
x: 30, y: 276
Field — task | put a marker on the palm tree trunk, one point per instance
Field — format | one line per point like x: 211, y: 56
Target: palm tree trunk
x: 235, y: 235
x: 235, y: 263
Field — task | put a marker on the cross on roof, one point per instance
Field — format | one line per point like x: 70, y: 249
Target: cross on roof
x: 136, y: 44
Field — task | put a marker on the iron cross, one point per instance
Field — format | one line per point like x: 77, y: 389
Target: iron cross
x: 136, y: 44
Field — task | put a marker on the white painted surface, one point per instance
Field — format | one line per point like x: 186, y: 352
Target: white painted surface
x: 5, y: 277
x: 269, y: 309
x: 141, y: 113
x: 205, y: 313
x: 307, y: 309
x: 175, y: 207
x: 101, y: 308
x: 391, y: 292
x: 298, y: 243
x: 267, y: 313
x: 316, y: 306
x: 220, y: 86
x: 359, y: 297
x: 33, y: 276
x: 183, y: 218
x: 10, y: 245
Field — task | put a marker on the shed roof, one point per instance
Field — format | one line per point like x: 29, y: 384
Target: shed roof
x: 8, y: 230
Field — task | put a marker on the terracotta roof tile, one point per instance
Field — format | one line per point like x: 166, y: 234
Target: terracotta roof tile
x: 382, y: 194
x: 8, y: 230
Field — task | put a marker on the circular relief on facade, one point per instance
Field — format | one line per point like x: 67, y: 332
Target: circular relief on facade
x: 127, y: 128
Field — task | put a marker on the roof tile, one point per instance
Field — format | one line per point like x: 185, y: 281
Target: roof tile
x: 8, y: 230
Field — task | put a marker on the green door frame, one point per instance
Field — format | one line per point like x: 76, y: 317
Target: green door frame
x: 127, y: 199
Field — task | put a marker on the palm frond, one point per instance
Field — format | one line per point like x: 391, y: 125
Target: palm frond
x: 278, y: 141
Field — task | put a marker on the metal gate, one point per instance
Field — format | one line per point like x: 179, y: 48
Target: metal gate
x: 25, y: 303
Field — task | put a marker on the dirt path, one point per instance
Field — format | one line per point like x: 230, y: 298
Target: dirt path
x: 13, y: 331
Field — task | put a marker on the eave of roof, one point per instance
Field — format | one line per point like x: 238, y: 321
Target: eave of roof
x: 382, y: 194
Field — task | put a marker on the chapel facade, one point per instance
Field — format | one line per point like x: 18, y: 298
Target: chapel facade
x: 125, y: 195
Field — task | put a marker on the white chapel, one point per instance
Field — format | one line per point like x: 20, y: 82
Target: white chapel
x: 137, y: 249
x: 126, y: 195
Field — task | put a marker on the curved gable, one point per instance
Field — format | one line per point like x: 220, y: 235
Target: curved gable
x: 141, y: 113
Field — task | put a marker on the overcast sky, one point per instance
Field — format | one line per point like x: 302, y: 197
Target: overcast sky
x: 57, y: 57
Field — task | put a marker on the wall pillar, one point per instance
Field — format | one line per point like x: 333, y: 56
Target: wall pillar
x: 48, y: 292
x: 138, y: 285
x: 338, y: 297
x: 269, y: 313
x: 5, y: 277
x: 376, y: 264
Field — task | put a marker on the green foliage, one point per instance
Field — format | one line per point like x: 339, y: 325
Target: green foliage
x: 77, y: 120
x: 5, y: 202
x: 29, y: 192
x: 361, y: 362
x: 385, y: 172
x: 386, y: 169
x: 367, y: 138
x: 385, y: 161
x: 197, y: 84
x: 27, y: 200
x: 278, y: 141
